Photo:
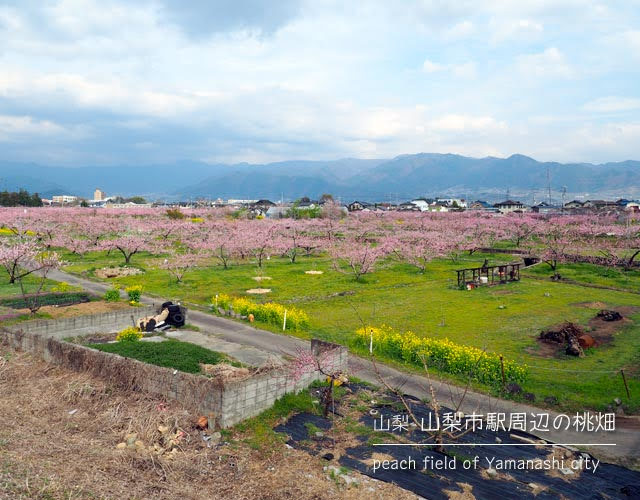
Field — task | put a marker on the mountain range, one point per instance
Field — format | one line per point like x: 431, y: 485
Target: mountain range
x: 396, y: 179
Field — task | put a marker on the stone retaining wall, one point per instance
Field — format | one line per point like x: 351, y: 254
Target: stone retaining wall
x: 224, y: 402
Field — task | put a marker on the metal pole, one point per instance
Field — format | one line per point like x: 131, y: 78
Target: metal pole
x: 624, y: 379
x: 371, y: 342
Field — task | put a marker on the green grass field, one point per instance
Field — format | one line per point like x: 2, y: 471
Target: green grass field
x: 13, y: 289
x: 170, y: 353
x: 503, y: 319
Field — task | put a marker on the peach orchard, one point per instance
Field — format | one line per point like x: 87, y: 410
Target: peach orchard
x: 356, y: 243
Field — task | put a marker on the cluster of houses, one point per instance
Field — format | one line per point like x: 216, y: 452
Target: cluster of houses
x: 100, y: 199
x: 415, y: 205
x: 503, y: 207
x: 270, y: 209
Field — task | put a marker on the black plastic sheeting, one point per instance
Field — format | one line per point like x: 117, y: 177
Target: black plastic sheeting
x: 609, y: 481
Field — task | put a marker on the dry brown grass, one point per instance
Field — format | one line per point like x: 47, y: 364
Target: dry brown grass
x: 48, y: 453
x: 465, y: 494
x: 95, y: 307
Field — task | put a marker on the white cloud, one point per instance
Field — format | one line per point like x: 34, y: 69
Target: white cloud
x: 514, y: 29
x: 314, y: 81
x: 460, y: 123
x: 112, y: 95
x: 612, y: 104
x: 15, y: 127
x: 632, y: 38
x: 462, y: 70
x: 551, y: 63
x: 460, y: 30
x: 432, y: 67
x: 609, y: 141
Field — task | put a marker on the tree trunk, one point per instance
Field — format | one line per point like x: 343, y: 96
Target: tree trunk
x: 631, y: 259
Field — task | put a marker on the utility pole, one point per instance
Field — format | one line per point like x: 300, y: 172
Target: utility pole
x: 548, y: 186
x: 564, y: 193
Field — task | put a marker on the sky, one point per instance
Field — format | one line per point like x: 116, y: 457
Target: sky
x: 109, y: 82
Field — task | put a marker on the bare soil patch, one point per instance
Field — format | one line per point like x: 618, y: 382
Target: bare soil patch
x: 591, y: 305
x: 117, y: 272
x: 601, y: 331
x: 259, y: 291
x: 96, y: 307
x: 314, y: 272
x: 261, y: 278
x: 465, y: 494
x: 51, y: 451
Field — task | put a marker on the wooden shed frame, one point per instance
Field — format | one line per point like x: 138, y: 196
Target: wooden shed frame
x: 495, y: 275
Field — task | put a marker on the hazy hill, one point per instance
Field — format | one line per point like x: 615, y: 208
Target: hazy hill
x: 399, y: 178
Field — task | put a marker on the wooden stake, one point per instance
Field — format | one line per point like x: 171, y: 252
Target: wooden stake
x: 624, y: 379
x: 504, y: 382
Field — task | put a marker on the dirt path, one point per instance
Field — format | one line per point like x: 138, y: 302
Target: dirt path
x: 626, y: 436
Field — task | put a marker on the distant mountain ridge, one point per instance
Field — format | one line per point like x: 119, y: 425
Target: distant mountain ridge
x: 402, y: 177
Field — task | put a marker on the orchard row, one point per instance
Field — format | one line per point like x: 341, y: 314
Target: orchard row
x: 354, y: 242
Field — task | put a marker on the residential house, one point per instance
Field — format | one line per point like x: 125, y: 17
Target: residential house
x: 422, y: 204
x: 307, y: 204
x: 483, y: 206
x: 574, y: 204
x: 408, y: 206
x: 453, y: 202
x: 261, y: 207
x: 600, y: 205
x: 545, y: 208
x: 385, y: 206
x: 633, y: 207
x: 358, y: 206
x: 439, y: 207
x: 509, y: 206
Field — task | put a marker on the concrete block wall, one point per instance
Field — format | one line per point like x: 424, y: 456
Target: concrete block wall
x: 227, y: 402
x: 250, y: 397
x: 87, y: 324
x: 194, y: 391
